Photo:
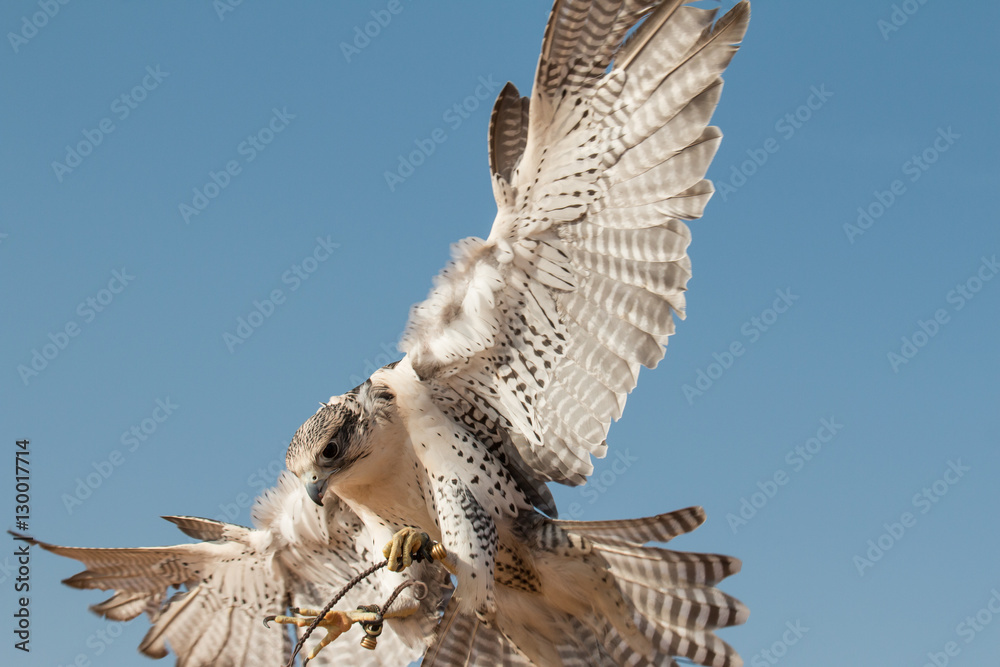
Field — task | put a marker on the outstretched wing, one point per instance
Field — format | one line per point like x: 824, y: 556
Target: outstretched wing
x: 543, y: 326
x: 300, y: 555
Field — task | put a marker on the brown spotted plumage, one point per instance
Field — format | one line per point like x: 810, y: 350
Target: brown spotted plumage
x: 515, y: 366
x: 529, y: 343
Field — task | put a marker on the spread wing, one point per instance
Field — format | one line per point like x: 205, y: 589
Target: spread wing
x: 543, y: 326
x: 300, y: 555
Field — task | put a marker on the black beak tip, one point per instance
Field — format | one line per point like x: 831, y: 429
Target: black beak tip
x: 315, y: 491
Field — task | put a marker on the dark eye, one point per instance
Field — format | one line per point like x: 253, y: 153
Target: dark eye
x: 332, y: 450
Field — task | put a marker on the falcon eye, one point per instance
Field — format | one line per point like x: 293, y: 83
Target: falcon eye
x: 331, y: 451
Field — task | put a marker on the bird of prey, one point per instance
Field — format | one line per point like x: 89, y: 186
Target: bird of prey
x: 515, y: 366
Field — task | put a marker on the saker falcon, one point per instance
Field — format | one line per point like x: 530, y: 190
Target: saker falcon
x: 515, y: 366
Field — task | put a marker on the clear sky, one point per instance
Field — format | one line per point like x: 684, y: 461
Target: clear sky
x: 831, y: 400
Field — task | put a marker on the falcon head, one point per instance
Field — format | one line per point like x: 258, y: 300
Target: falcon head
x: 330, y: 445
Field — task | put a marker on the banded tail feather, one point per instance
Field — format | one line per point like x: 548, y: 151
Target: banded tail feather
x: 608, y: 597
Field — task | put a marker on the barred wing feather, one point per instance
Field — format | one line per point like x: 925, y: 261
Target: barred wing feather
x: 543, y: 326
x: 299, y: 555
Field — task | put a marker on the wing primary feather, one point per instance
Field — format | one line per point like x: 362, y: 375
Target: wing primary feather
x: 592, y: 180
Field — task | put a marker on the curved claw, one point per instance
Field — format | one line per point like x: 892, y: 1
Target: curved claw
x: 408, y: 545
x: 268, y: 619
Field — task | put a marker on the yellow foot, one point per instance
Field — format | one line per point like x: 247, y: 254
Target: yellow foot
x: 410, y: 545
x: 335, y: 623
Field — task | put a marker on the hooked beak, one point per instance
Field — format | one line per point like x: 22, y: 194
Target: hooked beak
x: 316, y: 488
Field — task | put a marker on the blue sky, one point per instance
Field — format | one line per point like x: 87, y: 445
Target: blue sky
x: 831, y: 399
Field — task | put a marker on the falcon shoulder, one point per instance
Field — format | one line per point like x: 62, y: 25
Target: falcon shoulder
x: 543, y: 326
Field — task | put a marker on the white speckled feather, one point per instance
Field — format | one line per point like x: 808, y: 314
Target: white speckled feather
x: 589, y: 250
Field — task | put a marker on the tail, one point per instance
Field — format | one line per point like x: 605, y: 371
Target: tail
x: 593, y: 594
x: 674, y: 604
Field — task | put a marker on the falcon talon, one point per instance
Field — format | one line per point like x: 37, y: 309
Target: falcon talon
x: 408, y: 546
x: 335, y: 623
